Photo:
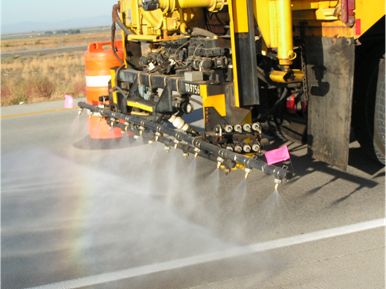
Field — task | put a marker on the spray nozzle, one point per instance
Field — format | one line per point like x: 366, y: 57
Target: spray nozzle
x: 176, y: 142
x: 247, y: 172
x: 80, y: 111
x: 112, y: 121
x: 220, y: 160
x: 157, y: 135
x: 277, y: 183
x: 141, y: 130
x: 185, y: 155
x: 197, y: 152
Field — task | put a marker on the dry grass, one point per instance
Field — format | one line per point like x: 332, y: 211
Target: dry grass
x: 37, y: 79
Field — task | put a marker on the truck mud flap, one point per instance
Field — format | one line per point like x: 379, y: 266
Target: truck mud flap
x: 330, y: 78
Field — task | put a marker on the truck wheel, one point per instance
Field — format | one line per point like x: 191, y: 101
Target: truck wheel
x: 379, y: 117
x: 369, y: 107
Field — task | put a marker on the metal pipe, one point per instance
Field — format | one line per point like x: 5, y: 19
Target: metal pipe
x: 284, y: 31
x: 195, y: 142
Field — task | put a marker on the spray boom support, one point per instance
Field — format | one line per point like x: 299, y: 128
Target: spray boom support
x: 191, y: 143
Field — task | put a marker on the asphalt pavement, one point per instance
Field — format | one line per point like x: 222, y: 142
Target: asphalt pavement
x: 44, y: 51
x: 82, y: 213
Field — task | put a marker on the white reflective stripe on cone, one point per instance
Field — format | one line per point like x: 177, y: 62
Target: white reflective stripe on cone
x: 94, y: 81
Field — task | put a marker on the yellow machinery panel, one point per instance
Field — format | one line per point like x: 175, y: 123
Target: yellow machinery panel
x: 368, y: 12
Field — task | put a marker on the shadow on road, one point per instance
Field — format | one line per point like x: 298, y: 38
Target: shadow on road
x: 305, y: 165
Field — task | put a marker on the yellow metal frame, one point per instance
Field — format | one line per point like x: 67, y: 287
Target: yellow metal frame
x: 115, y: 97
x: 140, y: 106
x: 215, y: 101
x: 233, y: 45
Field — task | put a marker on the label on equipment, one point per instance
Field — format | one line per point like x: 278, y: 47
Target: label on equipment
x: 192, y: 88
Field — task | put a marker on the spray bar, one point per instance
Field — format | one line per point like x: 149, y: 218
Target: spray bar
x: 196, y: 143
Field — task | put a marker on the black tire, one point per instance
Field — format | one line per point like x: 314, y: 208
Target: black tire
x: 379, y: 116
x: 368, y: 118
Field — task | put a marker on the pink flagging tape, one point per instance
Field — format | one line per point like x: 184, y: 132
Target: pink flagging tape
x: 68, y: 101
x: 277, y: 155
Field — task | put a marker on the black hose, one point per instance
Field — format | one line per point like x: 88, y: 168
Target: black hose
x: 123, y: 27
x: 195, y: 16
x: 117, y: 75
x: 113, y: 28
x: 196, y: 101
x: 202, y: 32
x: 121, y: 91
x: 218, y: 19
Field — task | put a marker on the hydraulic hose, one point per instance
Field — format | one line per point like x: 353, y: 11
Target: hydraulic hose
x: 112, y: 43
x: 116, y: 18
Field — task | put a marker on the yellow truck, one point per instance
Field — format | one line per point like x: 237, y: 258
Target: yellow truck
x: 304, y: 70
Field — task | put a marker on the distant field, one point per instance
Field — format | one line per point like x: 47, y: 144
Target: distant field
x: 30, y: 41
x: 45, y: 77
x: 38, y: 34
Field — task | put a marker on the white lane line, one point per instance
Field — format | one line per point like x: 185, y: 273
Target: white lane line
x: 210, y: 257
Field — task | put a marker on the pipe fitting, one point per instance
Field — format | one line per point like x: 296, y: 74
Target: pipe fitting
x: 228, y: 128
x: 220, y: 160
x: 247, y: 172
x: 256, y: 127
x: 197, y: 152
x: 247, y: 148
x: 179, y: 123
x: 247, y: 127
x: 157, y: 135
x: 238, y: 128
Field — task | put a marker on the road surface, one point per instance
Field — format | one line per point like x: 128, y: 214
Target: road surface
x: 124, y: 214
x: 44, y: 51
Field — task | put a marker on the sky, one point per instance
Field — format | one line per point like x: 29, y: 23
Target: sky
x: 17, y: 11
